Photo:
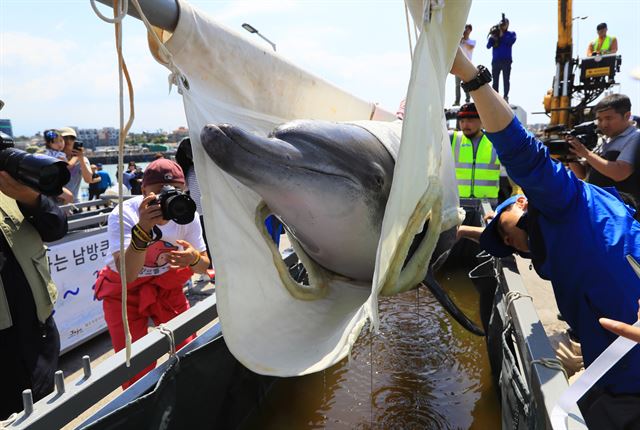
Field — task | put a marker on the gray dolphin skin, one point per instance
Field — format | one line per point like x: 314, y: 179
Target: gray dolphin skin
x: 327, y: 182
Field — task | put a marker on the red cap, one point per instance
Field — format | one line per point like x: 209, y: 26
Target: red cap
x: 468, y: 110
x: 162, y: 171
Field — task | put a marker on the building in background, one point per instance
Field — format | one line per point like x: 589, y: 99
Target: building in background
x: 89, y: 136
x: 5, y: 127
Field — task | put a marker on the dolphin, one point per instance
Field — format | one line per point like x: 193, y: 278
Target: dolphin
x: 329, y: 184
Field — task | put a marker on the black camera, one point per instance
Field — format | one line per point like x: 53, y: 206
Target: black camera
x: 78, y: 144
x: 586, y: 133
x: 495, y: 31
x: 176, y: 205
x: 44, y: 174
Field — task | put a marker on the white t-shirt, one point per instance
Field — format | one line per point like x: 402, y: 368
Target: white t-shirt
x: 156, y: 260
x: 467, y: 47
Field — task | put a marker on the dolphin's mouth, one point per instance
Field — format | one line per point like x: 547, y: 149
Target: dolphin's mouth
x: 224, y: 142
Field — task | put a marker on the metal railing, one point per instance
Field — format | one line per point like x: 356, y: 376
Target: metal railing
x: 70, y: 400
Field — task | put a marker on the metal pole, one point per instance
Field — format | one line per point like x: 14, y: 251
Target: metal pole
x: 160, y: 13
x: 273, y: 45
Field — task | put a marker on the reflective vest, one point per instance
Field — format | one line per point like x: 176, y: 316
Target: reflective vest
x: 605, y: 47
x: 478, y: 173
x: 27, y: 247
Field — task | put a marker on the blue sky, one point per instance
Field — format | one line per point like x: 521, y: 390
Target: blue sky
x: 58, y: 62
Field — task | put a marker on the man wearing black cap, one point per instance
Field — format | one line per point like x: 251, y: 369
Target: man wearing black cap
x: 477, y: 165
x: 578, y: 236
x: 602, y: 44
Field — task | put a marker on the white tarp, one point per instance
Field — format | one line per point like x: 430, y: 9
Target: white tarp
x: 230, y: 79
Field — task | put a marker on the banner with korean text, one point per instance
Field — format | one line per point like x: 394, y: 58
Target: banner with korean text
x: 74, y: 267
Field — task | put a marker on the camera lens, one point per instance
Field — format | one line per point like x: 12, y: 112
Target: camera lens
x: 42, y: 173
x: 180, y: 208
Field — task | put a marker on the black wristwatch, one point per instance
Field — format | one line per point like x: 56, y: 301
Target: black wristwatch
x: 483, y: 77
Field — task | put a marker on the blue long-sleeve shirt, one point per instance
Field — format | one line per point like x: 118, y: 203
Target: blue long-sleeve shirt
x: 588, y: 232
x: 503, y: 50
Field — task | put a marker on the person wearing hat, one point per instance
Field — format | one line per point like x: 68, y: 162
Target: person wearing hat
x: 79, y: 165
x: 477, y: 165
x: 603, y: 44
x: 578, y: 236
x: 160, y: 256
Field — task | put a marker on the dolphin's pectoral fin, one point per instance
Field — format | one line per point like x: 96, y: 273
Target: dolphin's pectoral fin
x: 318, y: 277
x: 399, y: 279
x: 443, y: 298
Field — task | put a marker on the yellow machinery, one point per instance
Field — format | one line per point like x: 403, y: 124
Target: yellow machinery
x: 567, y: 104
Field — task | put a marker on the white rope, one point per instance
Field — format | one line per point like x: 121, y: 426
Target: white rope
x: 175, y: 77
x: 10, y: 419
x: 512, y: 296
x: 406, y: 15
x: 170, y: 337
x: 551, y: 363
x: 118, y: 18
x: 120, y: 8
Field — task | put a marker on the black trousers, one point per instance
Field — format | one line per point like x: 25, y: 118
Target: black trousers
x: 29, y: 359
x: 504, y: 67
x: 603, y: 410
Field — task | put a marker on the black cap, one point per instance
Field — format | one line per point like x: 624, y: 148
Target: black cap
x: 601, y: 26
x: 468, y: 110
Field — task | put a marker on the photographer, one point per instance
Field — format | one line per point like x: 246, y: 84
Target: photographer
x: 578, y: 236
x: 616, y: 163
x: 29, y: 339
x: 79, y: 165
x: 501, y: 41
x: 161, y: 254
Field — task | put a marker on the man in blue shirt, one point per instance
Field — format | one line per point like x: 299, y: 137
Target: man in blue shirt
x: 501, y: 41
x: 578, y: 236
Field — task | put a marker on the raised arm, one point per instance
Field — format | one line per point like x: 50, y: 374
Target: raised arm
x: 526, y: 159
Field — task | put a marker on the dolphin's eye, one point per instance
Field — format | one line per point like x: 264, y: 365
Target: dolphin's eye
x: 379, y: 180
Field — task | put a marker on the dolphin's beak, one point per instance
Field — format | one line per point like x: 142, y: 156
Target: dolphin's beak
x: 219, y: 141
x: 215, y: 142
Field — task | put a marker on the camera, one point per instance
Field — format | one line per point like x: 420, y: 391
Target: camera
x: 176, y: 205
x: 586, y: 133
x: 44, y: 174
x: 78, y: 144
x: 495, y: 31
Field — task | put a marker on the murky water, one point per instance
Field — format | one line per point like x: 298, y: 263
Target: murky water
x: 422, y: 371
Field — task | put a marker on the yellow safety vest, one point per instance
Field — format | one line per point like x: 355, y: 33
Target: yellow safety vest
x: 27, y: 247
x: 478, y: 174
x: 605, y: 47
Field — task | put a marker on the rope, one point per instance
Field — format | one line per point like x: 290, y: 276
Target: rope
x: 117, y: 17
x: 406, y: 15
x: 10, y: 419
x: 512, y: 296
x: 170, y: 337
x: 551, y: 363
x: 120, y: 8
x: 472, y: 274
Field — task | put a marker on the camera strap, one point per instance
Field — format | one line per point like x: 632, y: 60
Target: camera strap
x: 156, y: 234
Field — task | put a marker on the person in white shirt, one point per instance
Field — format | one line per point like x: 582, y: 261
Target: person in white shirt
x: 467, y: 46
x: 160, y: 256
